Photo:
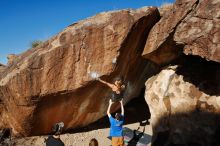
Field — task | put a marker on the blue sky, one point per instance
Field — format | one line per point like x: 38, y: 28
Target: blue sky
x: 22, y: 21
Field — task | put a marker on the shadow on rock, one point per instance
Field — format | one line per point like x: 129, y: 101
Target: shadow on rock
x: 136, y: 110
x: 200, y: 72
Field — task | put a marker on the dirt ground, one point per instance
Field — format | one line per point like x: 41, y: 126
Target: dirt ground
x: 83, y: 138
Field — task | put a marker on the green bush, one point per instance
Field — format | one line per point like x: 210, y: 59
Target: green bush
x: 36, y: 43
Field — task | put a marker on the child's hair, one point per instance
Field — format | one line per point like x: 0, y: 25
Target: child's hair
x: 57, y: 128
x: 118, y: 116
x: 122, y: 83
x: 119, y: 78
x: 93, y: 142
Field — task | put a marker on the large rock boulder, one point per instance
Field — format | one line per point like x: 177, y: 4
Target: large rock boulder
x: 52, y: 82
x: 191, y: 25
x: 184, y: 102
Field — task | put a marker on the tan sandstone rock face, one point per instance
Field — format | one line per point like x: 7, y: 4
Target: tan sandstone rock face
x: 52, y: 82
x: 165, y: 8
x: 184, y: 102
x: 12, y: 58
x: 2, y: 68
x: 192, y: 25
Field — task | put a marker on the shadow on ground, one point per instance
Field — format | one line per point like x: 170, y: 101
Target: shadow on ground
x: 195, y: 128
x: 136, y: 137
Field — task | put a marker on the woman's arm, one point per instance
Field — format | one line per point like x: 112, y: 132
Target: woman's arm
x: 109, y: 107
x: 122, y: 108
x: 106, y: 83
